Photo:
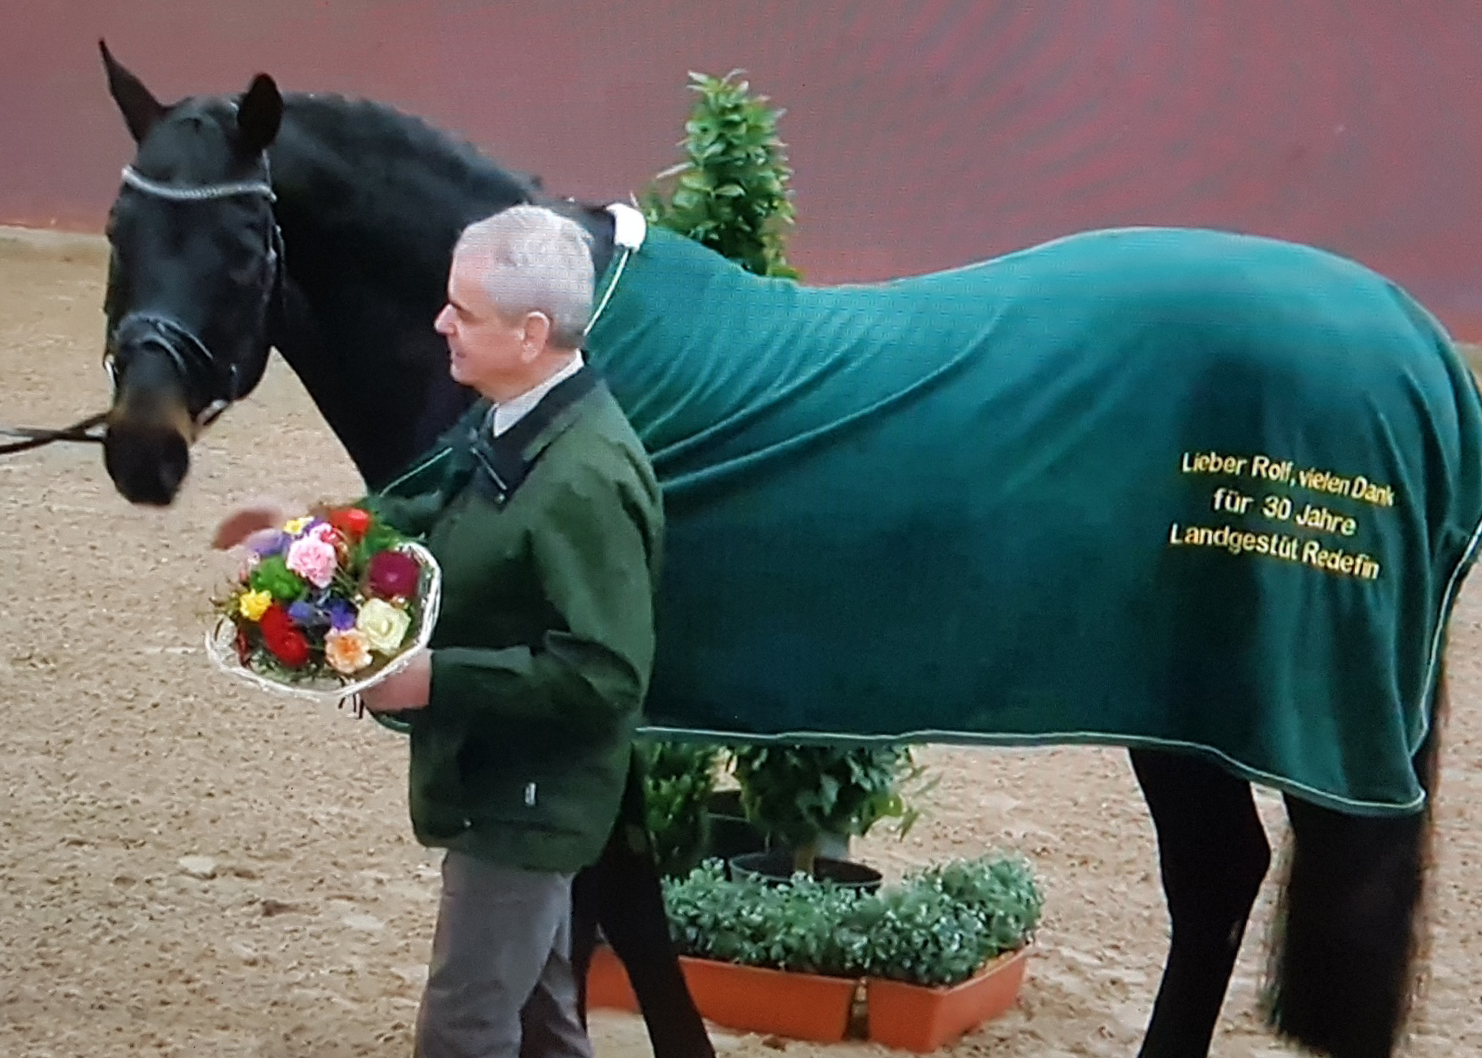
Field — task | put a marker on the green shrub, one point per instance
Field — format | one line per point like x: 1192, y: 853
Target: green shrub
x: 943, y: 923
x: 937, y: 927
x: 678, y: 778
x: 919, y: 934
x: 782, y: 927
x: 1000, y: 889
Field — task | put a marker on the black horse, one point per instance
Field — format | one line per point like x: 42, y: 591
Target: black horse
x: 324, y: 227
x: 350, y: 307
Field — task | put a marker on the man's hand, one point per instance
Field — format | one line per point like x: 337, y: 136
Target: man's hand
x: 408, y: 689
x: 242, y: 523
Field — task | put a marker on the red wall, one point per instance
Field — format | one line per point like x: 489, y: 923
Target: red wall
x: 924, y: 134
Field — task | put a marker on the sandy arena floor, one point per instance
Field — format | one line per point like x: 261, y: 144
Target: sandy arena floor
x: 125, y: 752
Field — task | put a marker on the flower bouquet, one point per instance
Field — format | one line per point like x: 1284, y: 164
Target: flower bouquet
x: 326, y: 606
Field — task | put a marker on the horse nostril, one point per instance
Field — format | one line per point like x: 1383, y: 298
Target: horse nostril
x: 169, y: 476
x: 147, y: 464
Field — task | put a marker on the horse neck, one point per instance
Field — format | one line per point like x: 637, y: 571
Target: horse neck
x: 367, y: 272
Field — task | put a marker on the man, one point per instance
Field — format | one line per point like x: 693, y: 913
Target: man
x: 543, y: 512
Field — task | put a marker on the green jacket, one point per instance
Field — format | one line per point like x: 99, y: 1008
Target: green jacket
x: 544, y: 643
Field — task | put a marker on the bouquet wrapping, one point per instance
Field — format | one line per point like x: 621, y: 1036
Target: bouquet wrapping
x: 326, y: 606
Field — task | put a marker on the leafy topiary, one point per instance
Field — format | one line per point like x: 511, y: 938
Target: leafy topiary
x: 731, y: 192
x: 799, y: 793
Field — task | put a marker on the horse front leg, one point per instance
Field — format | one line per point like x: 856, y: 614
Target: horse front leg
x: 1213, y: 855
x: 621, y: 893
x: 630, y: 910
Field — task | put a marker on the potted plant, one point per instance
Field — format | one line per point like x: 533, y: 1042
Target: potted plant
x: 937, y: 954
x: 947, y: 949
x: 809, y: 800
x: 766, y: 958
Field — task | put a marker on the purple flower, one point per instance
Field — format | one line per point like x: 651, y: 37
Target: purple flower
x: 341, y: 614
x: 268, y: 542
x: 304, y: 614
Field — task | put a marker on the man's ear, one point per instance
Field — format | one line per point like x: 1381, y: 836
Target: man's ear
x: 537, y: 335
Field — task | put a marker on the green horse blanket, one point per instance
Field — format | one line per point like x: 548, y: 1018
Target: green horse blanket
x: 1142, y: 487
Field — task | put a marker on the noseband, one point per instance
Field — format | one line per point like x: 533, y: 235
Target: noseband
x: 199, y: 369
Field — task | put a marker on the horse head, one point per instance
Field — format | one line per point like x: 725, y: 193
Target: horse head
x: 194, y: 275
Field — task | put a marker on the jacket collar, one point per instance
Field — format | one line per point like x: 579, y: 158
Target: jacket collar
x: 505, y: 461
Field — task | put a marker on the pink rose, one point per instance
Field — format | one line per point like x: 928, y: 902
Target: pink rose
x: 313, y: 559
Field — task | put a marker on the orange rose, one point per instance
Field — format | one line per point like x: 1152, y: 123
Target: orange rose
x: 346, y: 651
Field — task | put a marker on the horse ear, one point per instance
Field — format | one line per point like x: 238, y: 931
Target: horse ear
x: 259, y: 113
x: 139, y: 107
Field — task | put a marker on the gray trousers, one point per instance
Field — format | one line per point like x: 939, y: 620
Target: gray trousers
x: 500, y: 983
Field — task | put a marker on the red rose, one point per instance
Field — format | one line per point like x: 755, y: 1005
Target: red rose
x: 392, y: 574
x: 352, y: 521
x: 282, y: 637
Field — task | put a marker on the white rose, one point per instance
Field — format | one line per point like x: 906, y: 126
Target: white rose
x: 383, y: 625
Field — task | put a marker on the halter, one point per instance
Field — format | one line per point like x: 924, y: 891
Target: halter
x: 188, y: 355
x: 204, y: 192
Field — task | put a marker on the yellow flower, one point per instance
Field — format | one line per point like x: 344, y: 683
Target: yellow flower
x: 346, y: 651
x: 383, y: 625
x: 296, y: 526
x: 253, y: 604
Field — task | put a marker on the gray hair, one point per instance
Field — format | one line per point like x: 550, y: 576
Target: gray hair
x: 538, y: 261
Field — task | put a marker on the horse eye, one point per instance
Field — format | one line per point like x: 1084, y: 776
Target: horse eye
x: 245, y: 275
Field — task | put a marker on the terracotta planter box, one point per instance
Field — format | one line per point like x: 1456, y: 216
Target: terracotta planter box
x: 917, y: 1018
x: 607, y: 982
x: 795, y: 1005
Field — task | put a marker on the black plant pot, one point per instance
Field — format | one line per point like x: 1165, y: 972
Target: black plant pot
x: 730, y: 832
x: 775, y: 866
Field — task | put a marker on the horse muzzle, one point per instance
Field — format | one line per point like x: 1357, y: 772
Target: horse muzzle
x: 147, y: 461
x: 150, y: 425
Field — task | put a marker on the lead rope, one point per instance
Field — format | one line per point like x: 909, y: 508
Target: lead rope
x: 34, y: 437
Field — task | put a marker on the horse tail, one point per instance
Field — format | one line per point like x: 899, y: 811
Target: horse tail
x: 1349, y: 941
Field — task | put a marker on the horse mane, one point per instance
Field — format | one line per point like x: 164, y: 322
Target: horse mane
x: 366, y: 124
x: 371, y: 201
x: 379, y: 168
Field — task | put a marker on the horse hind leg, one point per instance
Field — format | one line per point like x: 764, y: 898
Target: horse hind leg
x: 1346, y: 931
x: 1349, y: 932
x: 1213, y: 855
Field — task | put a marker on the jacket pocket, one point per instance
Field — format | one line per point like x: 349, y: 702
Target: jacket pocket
x: 439, y: 794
